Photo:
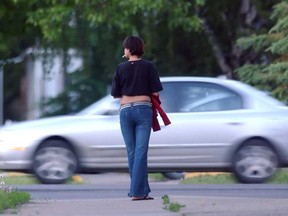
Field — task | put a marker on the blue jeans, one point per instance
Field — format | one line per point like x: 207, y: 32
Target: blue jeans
x: 136, y: 123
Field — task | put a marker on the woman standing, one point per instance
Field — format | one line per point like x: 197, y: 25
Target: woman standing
x: 135, y: 81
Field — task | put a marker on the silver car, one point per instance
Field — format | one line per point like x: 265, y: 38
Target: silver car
x: 217, y: 125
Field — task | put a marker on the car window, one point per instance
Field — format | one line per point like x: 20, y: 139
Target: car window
x: 198, y: 97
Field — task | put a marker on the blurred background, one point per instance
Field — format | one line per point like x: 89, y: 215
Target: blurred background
x: 58, y: 56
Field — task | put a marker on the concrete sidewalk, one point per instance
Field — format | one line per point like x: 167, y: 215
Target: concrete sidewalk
x: 194, y: 206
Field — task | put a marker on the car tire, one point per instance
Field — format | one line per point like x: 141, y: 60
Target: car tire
x: 54, y: 162
x: 255, y: 162
x: 174, y: 175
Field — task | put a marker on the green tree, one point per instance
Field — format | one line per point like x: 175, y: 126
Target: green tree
x: 16, y: 35
x: 269, y: 69
x: 96, y: 29
x: 102, y: 25
x: 183, y: 37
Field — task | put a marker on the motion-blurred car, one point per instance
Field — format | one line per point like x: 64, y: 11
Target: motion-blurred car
x: 217, y: 125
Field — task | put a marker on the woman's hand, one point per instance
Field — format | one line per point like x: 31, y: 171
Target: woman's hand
x: 155, y: 94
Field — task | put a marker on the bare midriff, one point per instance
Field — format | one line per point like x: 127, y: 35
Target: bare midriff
x: 129, y: 99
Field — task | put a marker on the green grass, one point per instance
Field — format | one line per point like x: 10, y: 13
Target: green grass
x: 20, y: 180
x: 210, y: 179
x: 10, y: 197
x: 280, y: 177
x: 156, y: 177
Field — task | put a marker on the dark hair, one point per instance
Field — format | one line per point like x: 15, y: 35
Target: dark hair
x: 135, y: 45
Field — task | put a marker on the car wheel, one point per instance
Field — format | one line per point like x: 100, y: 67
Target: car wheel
x: 255, y: 162
x: 173, y: 175
x: 54, y: 162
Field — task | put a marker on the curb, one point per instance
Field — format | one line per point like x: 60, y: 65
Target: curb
x: 196, y: 174
x: 75, y: 179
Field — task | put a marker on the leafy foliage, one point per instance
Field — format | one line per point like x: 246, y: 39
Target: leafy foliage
x: 270, y: 71
x: 182, y: 37
x: 80, y: 92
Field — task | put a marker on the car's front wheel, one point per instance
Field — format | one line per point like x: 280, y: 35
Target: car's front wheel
x: 54, y: 162
x: 255, y: 162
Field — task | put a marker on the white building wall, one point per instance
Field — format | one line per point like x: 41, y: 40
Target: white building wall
x: 41, y: 85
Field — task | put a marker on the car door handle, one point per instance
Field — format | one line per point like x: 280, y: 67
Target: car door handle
x: 234, y: 123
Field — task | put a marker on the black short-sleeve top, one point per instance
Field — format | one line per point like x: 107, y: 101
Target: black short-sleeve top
x: 134, y: 78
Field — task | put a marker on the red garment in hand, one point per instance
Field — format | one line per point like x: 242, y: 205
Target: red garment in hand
x: 156, y: 108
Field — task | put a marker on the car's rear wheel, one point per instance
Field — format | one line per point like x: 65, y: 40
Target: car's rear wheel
x: 54, y: 162
x: 174, y: 175
x: 255, y: 162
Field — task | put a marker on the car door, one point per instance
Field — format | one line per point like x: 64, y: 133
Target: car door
x: 204, y: 124
x: 101, y: 137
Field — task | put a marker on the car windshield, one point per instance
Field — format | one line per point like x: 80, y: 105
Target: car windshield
x: 105, y: 106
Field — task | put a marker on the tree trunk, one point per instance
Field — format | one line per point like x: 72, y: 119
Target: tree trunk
x: 225, y: 68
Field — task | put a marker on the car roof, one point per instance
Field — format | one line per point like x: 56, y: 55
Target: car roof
x: 197, y: 79
x: 185, y: 78
x: 234, y: 84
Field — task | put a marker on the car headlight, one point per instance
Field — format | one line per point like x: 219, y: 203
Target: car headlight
x: 10, y: 141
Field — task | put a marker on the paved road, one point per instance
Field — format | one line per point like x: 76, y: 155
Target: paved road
x: 105, y: 194
x: 59, y: 192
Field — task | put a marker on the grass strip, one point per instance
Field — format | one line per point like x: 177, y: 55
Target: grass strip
x: 223, y: 178
x: 10, y: 197
x: 280, y: 177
